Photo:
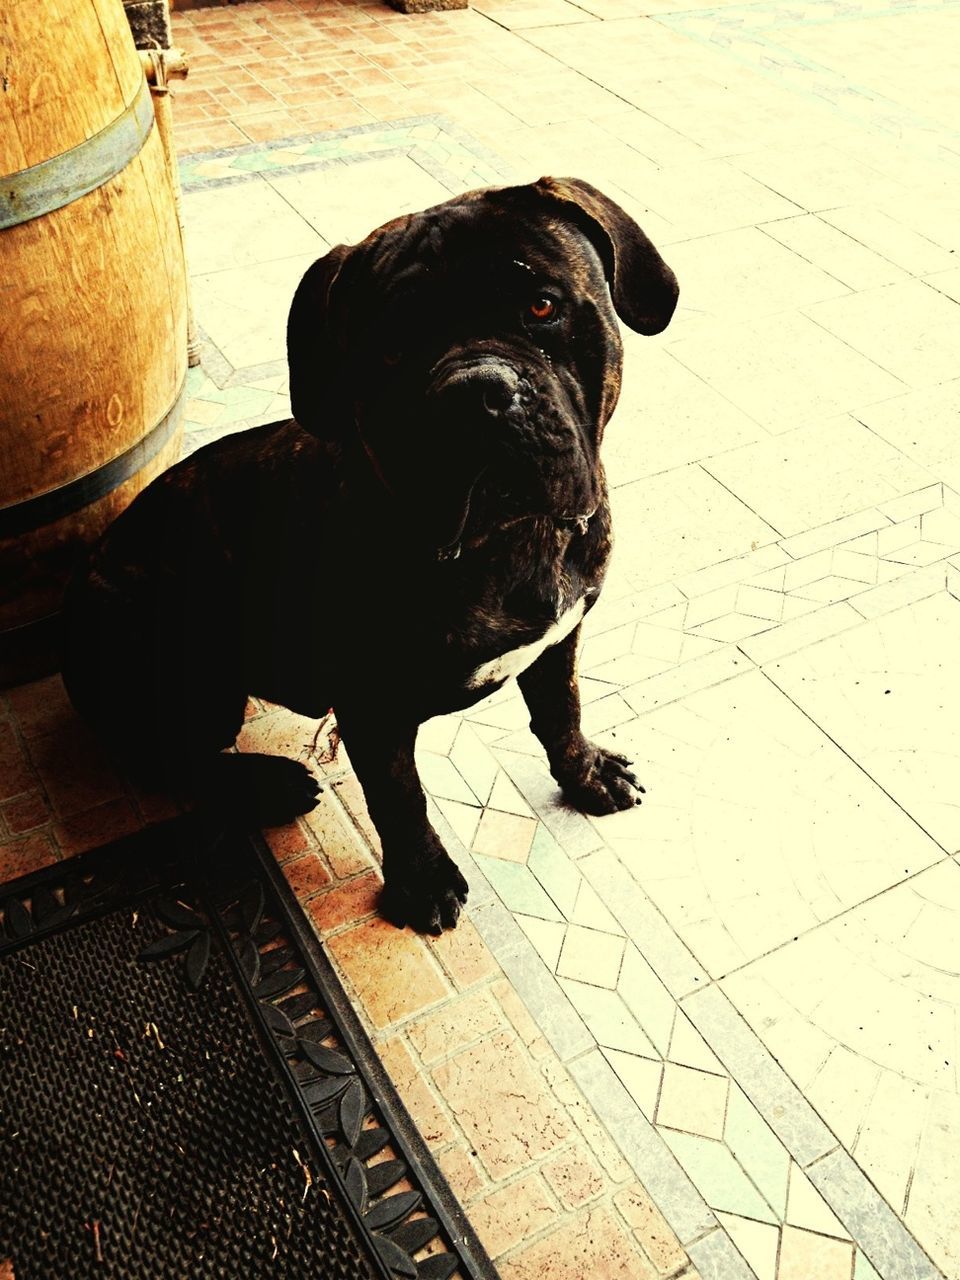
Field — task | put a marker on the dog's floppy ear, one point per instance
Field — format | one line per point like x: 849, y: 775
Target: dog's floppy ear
x: 643, y: 288
x: 317, y: 393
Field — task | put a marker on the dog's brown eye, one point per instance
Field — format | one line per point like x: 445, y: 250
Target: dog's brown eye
x: 542, y: 308
x: 392, y: 358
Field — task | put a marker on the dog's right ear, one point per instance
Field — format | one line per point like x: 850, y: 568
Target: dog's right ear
x: 318, y: 395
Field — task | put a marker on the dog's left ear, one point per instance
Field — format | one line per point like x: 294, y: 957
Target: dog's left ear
x: 643, y: 288
x: 317, y: 392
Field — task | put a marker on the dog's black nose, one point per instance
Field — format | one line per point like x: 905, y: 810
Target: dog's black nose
x: 500, y: 385
x: 486, y: 383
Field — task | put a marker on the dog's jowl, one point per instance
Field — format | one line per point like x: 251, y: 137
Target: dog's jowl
x: 433, y: 520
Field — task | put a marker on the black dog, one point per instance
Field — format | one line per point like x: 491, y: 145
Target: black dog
x: 434, y: 521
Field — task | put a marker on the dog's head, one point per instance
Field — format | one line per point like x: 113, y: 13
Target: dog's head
x: 472, y: 350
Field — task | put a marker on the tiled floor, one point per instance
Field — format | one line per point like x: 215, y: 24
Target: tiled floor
x: 716, y: 1036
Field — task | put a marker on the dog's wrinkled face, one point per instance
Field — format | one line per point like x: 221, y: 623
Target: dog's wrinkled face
x: 475, y: 351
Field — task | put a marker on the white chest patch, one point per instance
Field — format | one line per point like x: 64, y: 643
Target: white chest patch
x: 516, y: 660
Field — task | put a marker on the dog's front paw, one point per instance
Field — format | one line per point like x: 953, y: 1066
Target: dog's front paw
x: 428, y: 899
x: 600, y: 781
x: 255, y: 790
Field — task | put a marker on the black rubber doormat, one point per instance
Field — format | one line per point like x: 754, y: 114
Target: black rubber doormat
x: 185, y: 1090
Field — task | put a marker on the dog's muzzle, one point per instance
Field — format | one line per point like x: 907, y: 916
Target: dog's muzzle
x: 484, y: 386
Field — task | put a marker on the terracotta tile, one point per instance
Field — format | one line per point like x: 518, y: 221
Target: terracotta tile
x: 454, y: 1025
x: 295, y: 99
x: 520, y: 1019
x: 74, y: 769
x: 306, y: 875
x: 28, y: 811
x: 207, y: 137
x: 512, y: 1214
x: 20, y: 857
x: 283, y: 733
x: 97, y: 826
x: 40, y: 706
x: 338, y: 839
x: 504, y: 835
x: 460, y: 1170
x: 158, y: 806
x: 651, y: 1228
x: 390, y: 969
x: 504, y: 1105
x: 334, y: 116
x: 464, y: 955
x: 575, y: 1177
x: 346, y: 902
x: 591, y: 1244
x: 16, y: 775
x: 349, y: 792
x: 582, y: 1115
x: 418, y: 1097
x: 287, y: 842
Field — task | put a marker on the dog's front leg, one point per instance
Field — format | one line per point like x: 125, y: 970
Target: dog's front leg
x: 422, y: 886
x: 593, y: 779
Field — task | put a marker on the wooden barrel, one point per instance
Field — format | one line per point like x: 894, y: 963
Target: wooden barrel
x: 92, y: 303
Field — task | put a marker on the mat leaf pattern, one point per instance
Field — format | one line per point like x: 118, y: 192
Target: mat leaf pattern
x: 216, y: 910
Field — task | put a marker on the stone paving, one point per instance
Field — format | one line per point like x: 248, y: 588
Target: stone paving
x: 716, y: 1036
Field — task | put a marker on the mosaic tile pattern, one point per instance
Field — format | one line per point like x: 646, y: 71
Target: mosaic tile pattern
x: 707, y: 680
x: 785, y: 468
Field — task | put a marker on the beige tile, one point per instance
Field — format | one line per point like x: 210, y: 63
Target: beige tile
x: 758, y: 1242
x: 884, y: 987
x: 947, y: 282
x: 807, y: 1208
x: 925, y: 425
x: 803, y: 1254
x: 778, y: 833
x: 886, y: 1146
x: 223, y: 232
x: 737, y: 275
x: 816, y: 474
x: 517, y: 16
x: 659, y: 1242
x: 504, y: 835
x: 346, y: 202
x: 841, y: 1092
x: 547, y: 937
x: 710, y: 196
x: 244, y: 309
x: 590, y: 912
x: 784, y: 371
x: 817, y: 177
x: 692, y: 1101
x: 591, y: 957
x: 641, y: 1078
x: 688, y: 1047
x: 840, y: 255
x: 677, y: 522
x: 933, y: 214
x: 910, y: 330
x: 933, y: 1209
x: 667, y: 417
x: 878, y: 691
x: 892, y: 240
